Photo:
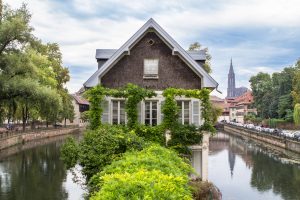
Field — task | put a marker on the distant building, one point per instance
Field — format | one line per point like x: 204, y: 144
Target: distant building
x: 80, y: 105
x: 232, y: 91
x: 240, y: 107
x: 221, y: 103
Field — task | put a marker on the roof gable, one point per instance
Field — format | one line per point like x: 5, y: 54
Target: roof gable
x: 208, y: 81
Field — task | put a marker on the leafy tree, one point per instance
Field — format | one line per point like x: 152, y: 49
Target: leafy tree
x: 297, y: 114
x: 296, y: 84
x: 196, y: 46
x: 261, y: 86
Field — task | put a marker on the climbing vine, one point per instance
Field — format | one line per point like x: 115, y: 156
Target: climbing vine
x: 132, y: 93
x: 170, y: 108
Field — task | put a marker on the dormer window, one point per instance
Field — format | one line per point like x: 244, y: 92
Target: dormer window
x: 150, y: 68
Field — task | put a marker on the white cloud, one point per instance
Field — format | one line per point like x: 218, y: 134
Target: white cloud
x: 79, y: 37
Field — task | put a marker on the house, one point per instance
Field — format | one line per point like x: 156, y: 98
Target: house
x: 80, y: 105
x: 221, y: 103
x: 152, y: 59
x: 241, y: 106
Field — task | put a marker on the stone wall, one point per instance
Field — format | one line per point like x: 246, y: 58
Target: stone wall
x: 270, y: 139
x: 34, y: 135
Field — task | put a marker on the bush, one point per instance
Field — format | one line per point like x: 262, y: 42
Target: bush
x: 182, y: 136
x: 100, y: 147
x: 143, y: 184
x: 154, y: 134
x: 153, y: 173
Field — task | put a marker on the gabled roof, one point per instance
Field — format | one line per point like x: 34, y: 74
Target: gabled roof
x: 80, y: 99
x: 207, y: 80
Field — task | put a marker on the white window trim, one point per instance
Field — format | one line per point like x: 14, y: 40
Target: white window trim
x: 111, y: 110
x: 151, y: 75
x: 182, y: 99
x: 158, y: 111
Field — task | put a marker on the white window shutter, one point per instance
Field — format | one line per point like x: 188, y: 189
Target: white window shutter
x: 139, y: 109
x: 105, y: 113
x: 196, y: 112
x: 151, y: 66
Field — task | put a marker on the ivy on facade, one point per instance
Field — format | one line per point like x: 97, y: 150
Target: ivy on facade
x: 134, y: 94
x: 170, y: 108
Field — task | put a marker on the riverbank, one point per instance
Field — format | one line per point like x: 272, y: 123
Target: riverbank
x: 269, y: 139
x: 19, y: 138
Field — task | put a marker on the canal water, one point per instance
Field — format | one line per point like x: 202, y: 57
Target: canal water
x: 244, y: 170
x: 34, y: 172
x: 240, y: 168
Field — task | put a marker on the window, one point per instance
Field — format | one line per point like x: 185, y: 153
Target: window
x: 151, y: 68
x: 151, y: 113
x: 105, y: 112
x: 118, y: 112
x: 183, y: 112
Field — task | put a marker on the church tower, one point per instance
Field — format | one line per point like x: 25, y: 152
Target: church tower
x: 231, y: 82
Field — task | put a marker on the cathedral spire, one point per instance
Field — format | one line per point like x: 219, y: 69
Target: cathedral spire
x: 231, y: 82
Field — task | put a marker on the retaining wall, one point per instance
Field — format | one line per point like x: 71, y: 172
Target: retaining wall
x: 34, y: 135
x: 270, y: 139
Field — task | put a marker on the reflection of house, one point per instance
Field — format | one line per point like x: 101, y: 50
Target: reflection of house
x: 152, y: 59
x: 80, y: 105
x: 240, y: 107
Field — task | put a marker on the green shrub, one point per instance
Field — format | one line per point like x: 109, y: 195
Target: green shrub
x: 143, y: 184
x: 100, y: 147
x: 153, y: 173
x: 182, y: 136
x: 69, y: 152
x: 154, y: 134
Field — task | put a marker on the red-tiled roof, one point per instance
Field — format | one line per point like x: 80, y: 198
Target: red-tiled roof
x: 80, y: 99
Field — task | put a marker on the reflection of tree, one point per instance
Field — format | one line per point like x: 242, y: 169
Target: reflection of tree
x: 35, y: 174
x: 269, y: 174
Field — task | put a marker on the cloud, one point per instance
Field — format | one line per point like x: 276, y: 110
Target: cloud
x: 259, y: 35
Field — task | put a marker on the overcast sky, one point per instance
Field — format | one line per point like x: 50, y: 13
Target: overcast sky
x: 259, y: 35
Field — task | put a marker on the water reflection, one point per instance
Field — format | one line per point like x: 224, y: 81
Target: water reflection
x: 244, y: 170
x: 35, y: 173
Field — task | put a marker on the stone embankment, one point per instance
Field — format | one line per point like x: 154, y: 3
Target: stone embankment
x: 12, y: 139
x: 266, y: 138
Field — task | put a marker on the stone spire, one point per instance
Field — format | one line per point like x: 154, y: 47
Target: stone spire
x: 231, y: 82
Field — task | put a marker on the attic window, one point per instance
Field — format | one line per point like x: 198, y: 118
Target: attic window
x: 150, y: 68
x: 150, y: 42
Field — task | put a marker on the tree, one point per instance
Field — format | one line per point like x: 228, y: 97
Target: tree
x: 196, y: 46
x: 296, y: 84
x: 297, y: 114
x: 261, y: 89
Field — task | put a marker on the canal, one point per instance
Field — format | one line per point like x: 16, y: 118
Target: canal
x: 240, y: 168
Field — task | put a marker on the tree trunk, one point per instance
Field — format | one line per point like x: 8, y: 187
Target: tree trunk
x: 23, y: 119
x: 65, y: 122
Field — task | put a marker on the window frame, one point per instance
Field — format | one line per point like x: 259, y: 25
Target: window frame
x: 118, y: 111
x: 182, y: 109
x: 151, y: 75
x: 151, y: 112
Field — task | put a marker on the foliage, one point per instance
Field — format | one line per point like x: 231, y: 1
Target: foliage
x: 32, y: 77
x: 132, y: 93
x: 296, y: 84
x: 69, y: 152
x: 101, y: 146
x: 154, y: 134
x: 143, y: 184
x: 153, y: 173
x: 216, y: 112
x: 170, y: 107
x: 196, y: 46
x: 183, y: 136
x: 95, y: 96
x: 274, y: 94
x: 297, y: 114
